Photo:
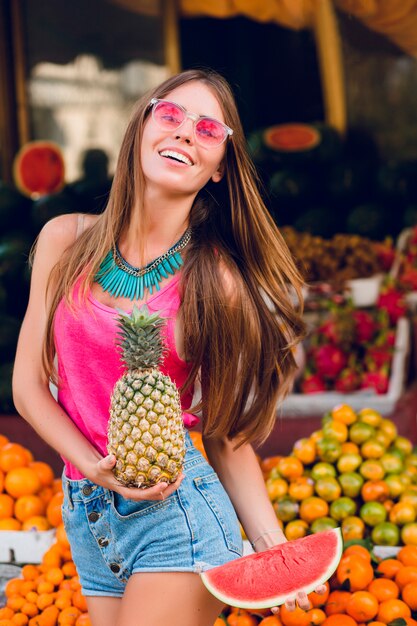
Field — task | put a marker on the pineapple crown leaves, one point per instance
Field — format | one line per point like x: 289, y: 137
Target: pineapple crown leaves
x: 139, y: 338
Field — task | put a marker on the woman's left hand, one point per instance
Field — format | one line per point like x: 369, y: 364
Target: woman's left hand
x: 301, y: 599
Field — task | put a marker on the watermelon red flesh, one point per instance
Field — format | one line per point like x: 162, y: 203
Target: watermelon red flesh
x: 265, y: 579
x: 39, y: 169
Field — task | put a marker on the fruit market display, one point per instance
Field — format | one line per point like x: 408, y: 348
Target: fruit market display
x: 268, y: 578
x: 340, y: 258
x: 48, y: 594
x: 30, y: 495
x: 351, y: 349
x: 363, y: 590
x: 356, y: 472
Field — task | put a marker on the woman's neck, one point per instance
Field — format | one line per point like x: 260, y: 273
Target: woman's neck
x: 161, y: 224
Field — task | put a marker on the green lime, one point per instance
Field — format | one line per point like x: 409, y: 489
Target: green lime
x: 342, y: 507
x: 386, y: 534
x: 323, y: 523
x: 328, y: 449
x: 328, y: 488
x: 373, y: 513
x: 351, y: 483
x: 360, y: 432
x: 348, y: 462
x: 391, y: 463
x: 321, y: 469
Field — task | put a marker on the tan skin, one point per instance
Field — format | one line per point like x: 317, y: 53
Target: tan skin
x: 169, y: 195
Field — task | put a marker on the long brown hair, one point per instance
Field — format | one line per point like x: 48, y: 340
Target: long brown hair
x: 237, y: 286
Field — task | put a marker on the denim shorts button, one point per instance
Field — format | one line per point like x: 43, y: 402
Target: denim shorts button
x: 87, y: 490
x: 103, y: 542
x: 93, y: 516
x: 115, y: 568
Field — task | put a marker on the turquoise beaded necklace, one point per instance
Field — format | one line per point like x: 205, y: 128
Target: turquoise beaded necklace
x: 121, y: 279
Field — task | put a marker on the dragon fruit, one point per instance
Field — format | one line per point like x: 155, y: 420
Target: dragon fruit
x: 365, y: 325
x: 376, y: 380
x: 378, y: 356
x: 312, y: 383
x: 329, y: 360
x: 348, y: 380
x: 392, y: 301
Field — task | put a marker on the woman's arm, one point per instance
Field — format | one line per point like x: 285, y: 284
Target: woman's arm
x: 31, y: 393
x: 242, y: 478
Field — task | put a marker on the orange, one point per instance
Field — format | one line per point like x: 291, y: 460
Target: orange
x: 69, y: 615
x: 21, y: 481
x: 79, y: 601
x: 45, y: 587
x: 290, y: 467
x: 292, y: 618
x: 314, y: 617
x: 20, y: 619
x: 269, y: 463
x: 305, y: 450
x: 402, y: 513
x: 50, y: 616
x: 6, y: 506
x: 339, y: 619
x: 276, y: 487
x: 44, y: 472
x: 409, y: 595
x: 15, y: 603
x: 30, y: 609
x: 335, y: 429
x: 1, y: 480
x: 271, y: 620
x: 389, y: 567
x: 28, y: 506
x: 84, y: 620
x: 45, y: 495
x: 375, y: 490
x: 350, y: 447
x: 385, y: 534
x: 301, y: 488
x: 37, y: 522
x: 69, y: 569
x: 408, y: 555
x: 13, y: 455
x: 316, y: 599
x: 372, y: 469
x: 351, y: 483
x: 362, y: 606
x: 312, y: 508
x: 342, y: 507
x: 13, y: 587
x: 344, y: 413
x: 348, y: 461
x: 30, y: 572
x: 53, y: 510
x: 328, y: 488
x: 337, y: 601
x: 353, y: 528
x: 10, y: 523
x: 6, y: 622
x: 384, y: 589
x: 295, y: 529
x: 361, y: 432
x: 57, y: 485
x: 372, y: 449
x: 286, y: 508
x: 61, y: 536
x: 3, y: 440
x: 51, y: 558
x: 392, y: 609
x: 6, y: 613
x: 370, y: 416
x: 389, y: 428
x: 54, y: 575
x: 358, y: 550
x: 356, y: 570
x: 407, y: 574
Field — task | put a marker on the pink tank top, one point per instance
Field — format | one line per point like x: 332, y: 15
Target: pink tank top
x: 89, y: 363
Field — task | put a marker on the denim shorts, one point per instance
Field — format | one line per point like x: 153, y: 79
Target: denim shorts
x: 111, y: 537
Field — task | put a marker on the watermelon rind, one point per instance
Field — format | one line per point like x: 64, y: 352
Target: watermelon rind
x: 279, y: 597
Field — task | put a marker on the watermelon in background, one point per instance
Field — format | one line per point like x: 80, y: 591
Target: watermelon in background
x: 39, y: 168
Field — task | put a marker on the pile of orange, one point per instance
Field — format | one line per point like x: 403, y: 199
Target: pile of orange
x: 48, y: 594
x: 362, y: 592
x: 30, y: 495
x: 356, y: 472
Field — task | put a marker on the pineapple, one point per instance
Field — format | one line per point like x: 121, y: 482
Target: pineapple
x: 146, y: 431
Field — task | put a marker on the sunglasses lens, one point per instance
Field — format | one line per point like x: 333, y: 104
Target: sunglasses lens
x: 210, y: 132
x: 168, y: 115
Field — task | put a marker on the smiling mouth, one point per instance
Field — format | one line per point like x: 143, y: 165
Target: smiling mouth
x: 176, y: 156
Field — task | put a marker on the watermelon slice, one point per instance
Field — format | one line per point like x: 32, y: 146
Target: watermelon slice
x: 265, y: 579
x: 39, y: 169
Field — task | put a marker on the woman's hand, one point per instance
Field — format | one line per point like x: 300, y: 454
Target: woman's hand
x: 103, y: 476
x: 301, y: 599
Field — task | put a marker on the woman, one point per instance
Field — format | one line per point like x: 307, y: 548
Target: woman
x: 137, y: 561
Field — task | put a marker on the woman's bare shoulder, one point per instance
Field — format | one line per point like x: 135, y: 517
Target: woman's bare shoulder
x: 61, y: 231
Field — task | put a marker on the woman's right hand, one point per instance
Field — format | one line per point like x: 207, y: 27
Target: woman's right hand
x: 103, y: 475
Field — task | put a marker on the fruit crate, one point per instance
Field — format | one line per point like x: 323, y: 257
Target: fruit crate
x: 299, y: 405
x: 25, y: 546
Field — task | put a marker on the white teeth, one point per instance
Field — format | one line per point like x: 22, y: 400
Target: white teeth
x: 176, y: 155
